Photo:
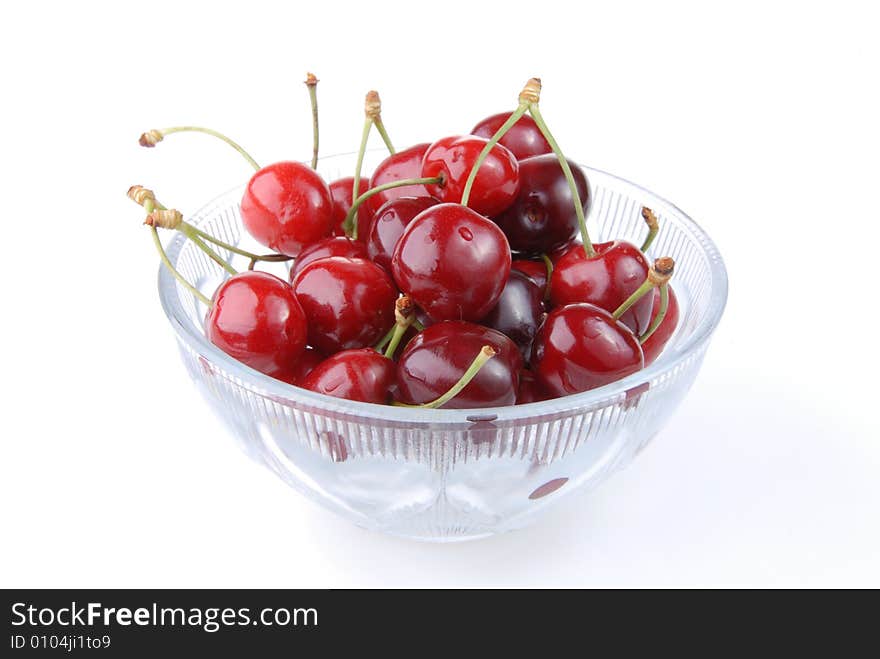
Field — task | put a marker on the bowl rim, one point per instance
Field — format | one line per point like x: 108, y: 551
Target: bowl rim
x: 290, y: 395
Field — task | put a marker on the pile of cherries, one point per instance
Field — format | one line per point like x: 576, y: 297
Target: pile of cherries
x: 460, y: 274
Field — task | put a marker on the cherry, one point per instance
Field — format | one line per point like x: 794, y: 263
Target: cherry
x: 530, y: 390
x: 256, y: 318
x: 519, y: 311
x: 542, y: 216
x: 606, y: 280
x: 452, y: 158
x: 581, y: 347
x: 396, y: 167
x: 333, y: 246
x: 534, y: 270
x: 438, y: 357
x: 524, y: 139
x: 305, y: 364
x: 389, y: 223
x: 654, y: 344
x: 452, y: 262
x: 340, y: 191
x: 361, y: 374
x: 287, y: 206
x: 349, y: 303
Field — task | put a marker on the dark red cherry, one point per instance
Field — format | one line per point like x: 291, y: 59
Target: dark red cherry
x: 389, y: 223
x: 581, y: 347
x: 304, y: 364
x: 534, y: 270
x: 396, y: 167
x: 438, y: 357
x: 452, y: 262
x: 255, y: 318
x: 530, y: 390
x: 519, y: 311
x: 654, y: 344
x: 542, y: 217
x: 287, y: 206
x: 340, y: 192
x: 349, y: 303
x: 524, y: 139
x: 606, y: 280
x: 361, y: 374
x: 496, y: 184
x: 333, y: 246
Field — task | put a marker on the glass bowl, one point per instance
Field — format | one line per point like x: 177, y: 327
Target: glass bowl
x: 446, y: 475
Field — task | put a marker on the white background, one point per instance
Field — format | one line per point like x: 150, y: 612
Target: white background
x: 759, y: 119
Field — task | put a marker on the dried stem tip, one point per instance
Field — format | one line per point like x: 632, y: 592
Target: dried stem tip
x: 151, y: 138
x: 139, y: 194
x: 403, y: 309
x: 311, y: 80
x: 650, y: 218
x: 372, y: 104
x: 531, y: 93
x: 164, y: 219
x: 662, y: 270
x: 488, y: 352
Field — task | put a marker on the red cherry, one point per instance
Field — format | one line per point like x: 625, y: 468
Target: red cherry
x: 519, y: 311
x: 452, y: 262
x: 524, y: 139
x: 452, y: 158
x: 606, y: 280
x: 654, y: 344
x: 542, y: 217
x: 362, y: 374
x: 396, y: 167
x: 534, y: 270
x: 581, y: 347
x: 340, y: 192
x: 333, y: 246
x: 255, y: 318
x: 287, y: 206
x: 530, y: 390
x: 390, y: 222
x: 349, y: 303
x: 438, y: 357
x: 305, y: 364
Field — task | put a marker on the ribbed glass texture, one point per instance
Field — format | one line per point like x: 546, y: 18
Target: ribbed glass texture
x: 447, y: 475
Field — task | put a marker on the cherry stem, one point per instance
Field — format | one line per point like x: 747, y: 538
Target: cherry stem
x: 179, y: 277
x: 501, y: 132
x: 549, y: 265
x: 355, y: 190
x: 485, y: 354
x: 152, y: 137
x: 661, y: 314
x: 380, y: 126
x: 232, y: 248
x: 418, y: 325
x: 312, y: 84
x: 379, y: 347
x: 208, y: 251
x: 578, y: 207
x: 658, y: 275
x: 404, y: 317
x: 653, y: 227
x: 350, y: 223
x: 271, y: 258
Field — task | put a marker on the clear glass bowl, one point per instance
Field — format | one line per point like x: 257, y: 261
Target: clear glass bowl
x: 446, y: 475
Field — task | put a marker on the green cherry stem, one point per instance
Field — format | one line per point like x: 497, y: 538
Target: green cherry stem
x: 403, y: 316
x: 312, y: 84
x: 418, y: 325
x: 368, y: 124
x: 549, y: 265
x: 653, y: 227
x: 380, y: 126
x: 152, y: 137
x: 236, y: 250
x: 380, y: 347
x: 578, y: 207
x: 659, y: 274
x: 185, y: 229
x: 485, y: 354
x: 661, y: 314
x: 350, y: 223
x: 179, y: 277
x: 506, y: 126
